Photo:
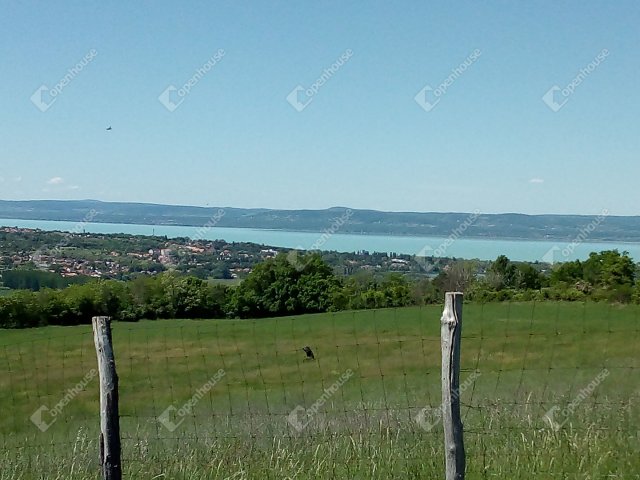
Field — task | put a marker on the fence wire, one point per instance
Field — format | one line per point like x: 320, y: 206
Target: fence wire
x: 548, y: 390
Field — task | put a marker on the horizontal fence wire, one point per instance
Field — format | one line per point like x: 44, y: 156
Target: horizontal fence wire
x: 547, y: 390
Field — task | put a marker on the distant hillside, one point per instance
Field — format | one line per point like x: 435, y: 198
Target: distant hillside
x: 510, y: 225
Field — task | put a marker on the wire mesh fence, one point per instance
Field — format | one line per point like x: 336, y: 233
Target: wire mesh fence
x: 548, y: 390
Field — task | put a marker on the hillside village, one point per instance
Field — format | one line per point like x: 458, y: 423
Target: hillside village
x: 123, y: 257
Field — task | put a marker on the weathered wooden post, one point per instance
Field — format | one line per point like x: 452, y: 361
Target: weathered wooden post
x: 109, y: 419
x: 450, y: 333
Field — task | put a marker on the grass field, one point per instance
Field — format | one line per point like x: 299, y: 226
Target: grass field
x: 527, y: 358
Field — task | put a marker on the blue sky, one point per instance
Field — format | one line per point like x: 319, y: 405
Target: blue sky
x: 363, y: 140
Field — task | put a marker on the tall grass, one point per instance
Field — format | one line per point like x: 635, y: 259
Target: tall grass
x: 530, y: 357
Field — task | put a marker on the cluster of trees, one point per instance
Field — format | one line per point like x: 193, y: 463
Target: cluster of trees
x: 162, y: 296
x: 604, y: 276
x: 37, y: 279
x: 275, y: 287
x: 280, y: 286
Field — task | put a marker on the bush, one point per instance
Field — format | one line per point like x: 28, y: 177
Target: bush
x: 286, y: 286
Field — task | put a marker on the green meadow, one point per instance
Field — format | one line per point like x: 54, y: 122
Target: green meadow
x: 375, y: 371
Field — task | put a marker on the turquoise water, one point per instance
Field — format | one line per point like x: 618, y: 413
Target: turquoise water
x: 483, y: 249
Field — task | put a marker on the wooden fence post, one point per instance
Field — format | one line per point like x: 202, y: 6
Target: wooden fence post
x: 110, y: 465
x: 450, y: 333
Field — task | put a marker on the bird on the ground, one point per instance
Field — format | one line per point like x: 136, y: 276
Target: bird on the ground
x: 309, y: 353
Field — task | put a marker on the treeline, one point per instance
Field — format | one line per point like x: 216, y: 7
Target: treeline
x: 605, y: 276
x: 298, y: 284
x: 37, y: 279
x: 276, y: 287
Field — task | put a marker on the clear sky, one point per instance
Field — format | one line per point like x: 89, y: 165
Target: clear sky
x: 392, y: 125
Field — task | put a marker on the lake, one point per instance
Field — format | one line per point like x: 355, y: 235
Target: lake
x: 484, y: 249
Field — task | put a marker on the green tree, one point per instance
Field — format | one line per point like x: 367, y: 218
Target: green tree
x: 395, y: 290
x: 609, y: 269
x: 567, y: 272
x: 503, y: 273
x: 281, y: 287
x: 528, y: 278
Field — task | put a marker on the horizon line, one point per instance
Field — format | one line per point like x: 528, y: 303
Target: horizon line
x: 321, y: 209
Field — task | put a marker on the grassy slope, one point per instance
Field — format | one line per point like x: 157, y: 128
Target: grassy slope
x: 530, y: 357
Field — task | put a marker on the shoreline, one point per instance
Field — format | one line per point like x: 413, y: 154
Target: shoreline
x: 341, y: 233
